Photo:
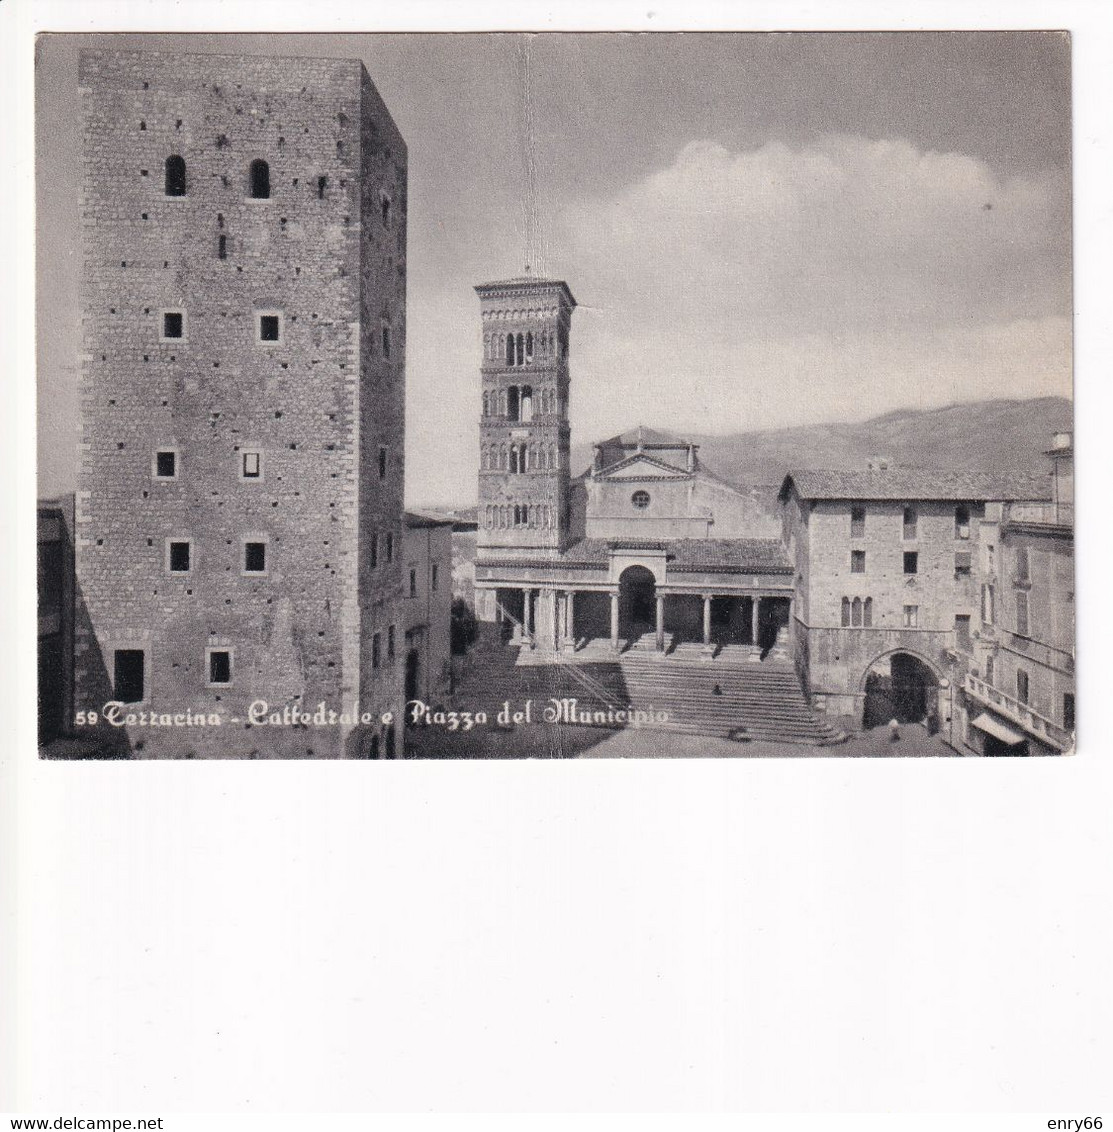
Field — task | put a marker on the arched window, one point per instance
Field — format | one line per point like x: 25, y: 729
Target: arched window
x: 175, y: 176
x: 486, y: 404
x: 510, y: 349
x: 526, y: 403
x: 260, y: 175
x: 513, y: 403
x: 521, y: 350
x: 502, y: 402
x: 553, y: 457
x: 529, y: 346
x: 867, y: 612
x: 856, y: 612
x: 845, y: 612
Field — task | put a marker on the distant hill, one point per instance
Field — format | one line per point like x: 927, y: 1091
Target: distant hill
x: 978, y: 435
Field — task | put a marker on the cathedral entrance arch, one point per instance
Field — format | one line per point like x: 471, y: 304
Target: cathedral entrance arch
x: 637, y: 602
x: 902, y: 686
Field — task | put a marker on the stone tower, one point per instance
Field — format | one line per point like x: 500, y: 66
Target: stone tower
x: 239, y: 512
x: 523, y: 467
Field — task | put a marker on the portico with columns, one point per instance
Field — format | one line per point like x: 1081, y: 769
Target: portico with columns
x: 655, y: 598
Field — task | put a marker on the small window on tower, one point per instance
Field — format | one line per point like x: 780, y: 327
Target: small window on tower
x: 322, y: 184
x: 128, y: 675
x: 382, y: 461
x: 254, y: 557
x: 251, y: 465
x: 640, y: 500
x: 384, y: 208
x: 220, y: 666
x: 413, y: 583
x: 269, y: 327
x: 260, y: 179
x: 386, y: 340
x: 178, y: 556
x: 173, y: 325
x: 166, y: 464
x: 175, y: 184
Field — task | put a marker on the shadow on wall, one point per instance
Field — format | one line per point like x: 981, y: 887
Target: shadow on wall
x: 94, y: 688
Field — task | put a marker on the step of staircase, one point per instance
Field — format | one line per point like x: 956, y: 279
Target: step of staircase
x: 755, y: 699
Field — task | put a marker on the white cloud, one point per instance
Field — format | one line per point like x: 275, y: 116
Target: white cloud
x: 842, y: 233
x: 778, y: 286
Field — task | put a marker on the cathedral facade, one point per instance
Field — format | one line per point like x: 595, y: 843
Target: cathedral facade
x: 645, y: 549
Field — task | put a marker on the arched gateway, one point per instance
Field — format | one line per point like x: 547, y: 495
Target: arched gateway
x: 901, y: 685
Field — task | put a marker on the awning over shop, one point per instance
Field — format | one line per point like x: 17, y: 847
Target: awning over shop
x: 986, y: 722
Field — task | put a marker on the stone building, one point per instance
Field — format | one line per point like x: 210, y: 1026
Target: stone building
x: 885, y: 580
x: 1017, y: 685
x: 427, y: 605
x: 647, y: 549
x: 239, y: 513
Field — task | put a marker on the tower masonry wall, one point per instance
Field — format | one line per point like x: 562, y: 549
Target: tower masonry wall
x: 315, y: 401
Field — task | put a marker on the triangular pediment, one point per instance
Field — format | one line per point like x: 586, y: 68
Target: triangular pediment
x: 642, y: 466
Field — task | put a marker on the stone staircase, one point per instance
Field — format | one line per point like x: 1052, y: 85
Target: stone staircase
x: 756, y: 700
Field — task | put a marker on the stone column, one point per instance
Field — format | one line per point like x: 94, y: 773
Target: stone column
x: 755, y: 617
x: 706, y: 620
x: 614, y: 620
x: 527, y: 613
x: 558, y: 618
x: 548, y: 629
x: 660, y: 622
x: 569, y: 618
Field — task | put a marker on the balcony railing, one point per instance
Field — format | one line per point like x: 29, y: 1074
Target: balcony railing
x: 1020, y: 714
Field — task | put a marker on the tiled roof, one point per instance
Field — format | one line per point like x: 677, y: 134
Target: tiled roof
x: 730, y: 555
x: 526, y: 281
x: 646, y: 436
x: 917, y: 483
x: 684, y: 555
x: 416, y: 519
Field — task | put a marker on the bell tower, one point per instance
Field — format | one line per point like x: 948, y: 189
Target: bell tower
x: 523, y: 435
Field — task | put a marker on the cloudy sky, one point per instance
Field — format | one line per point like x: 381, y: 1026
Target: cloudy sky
x: 761, y: 230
